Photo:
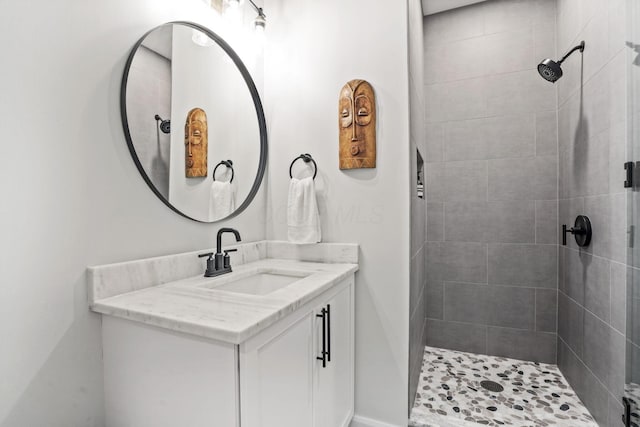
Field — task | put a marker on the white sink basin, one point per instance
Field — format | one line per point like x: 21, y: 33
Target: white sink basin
x: 261, y: 282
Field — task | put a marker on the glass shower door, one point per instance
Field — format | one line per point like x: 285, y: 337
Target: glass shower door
x: 632, y: 377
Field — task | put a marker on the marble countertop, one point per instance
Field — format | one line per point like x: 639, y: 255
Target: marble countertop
x: 189, y: 306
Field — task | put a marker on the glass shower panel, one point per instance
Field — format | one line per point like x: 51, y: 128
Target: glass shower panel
x: 632, y: 378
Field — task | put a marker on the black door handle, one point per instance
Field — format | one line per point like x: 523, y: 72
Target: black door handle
x: 329, y: 332
x: 323, y: 315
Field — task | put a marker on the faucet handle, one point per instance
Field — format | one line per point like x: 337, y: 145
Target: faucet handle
x: 227, y: 259
x: 210, y: 255
x: 210, y: 264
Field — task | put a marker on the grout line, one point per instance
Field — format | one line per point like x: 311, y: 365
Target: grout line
x: 487, y: 259
x: 500, y: 285
x: 486, y: 326
x: 610, y: 299
x: 588, y: 311
x: 486, y: 339
x: 535, y: 222
x: 444, y: 289
x: 535, y: 310
x: 583, y: 364
x: 417, y: 304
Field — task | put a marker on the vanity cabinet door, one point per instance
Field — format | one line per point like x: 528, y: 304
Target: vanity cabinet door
x: 277, y: 377
x: 333, y: 384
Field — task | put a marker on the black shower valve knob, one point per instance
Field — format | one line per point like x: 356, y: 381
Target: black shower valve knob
x: 581, y: 230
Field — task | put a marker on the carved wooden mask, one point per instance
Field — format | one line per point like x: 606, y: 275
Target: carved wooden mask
x: 196, y: 143
x: 357, y: 123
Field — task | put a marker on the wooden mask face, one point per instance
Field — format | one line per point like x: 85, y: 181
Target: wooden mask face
x: 357, y: 123
x: 196, y: 143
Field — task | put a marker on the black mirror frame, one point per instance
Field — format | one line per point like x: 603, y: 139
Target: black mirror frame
x: 262, y: 125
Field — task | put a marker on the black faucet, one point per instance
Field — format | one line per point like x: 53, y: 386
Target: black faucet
x: 220, y: 263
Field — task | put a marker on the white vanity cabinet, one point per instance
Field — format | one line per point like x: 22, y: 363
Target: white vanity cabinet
x: 285, y: 382
x: 156, y: 377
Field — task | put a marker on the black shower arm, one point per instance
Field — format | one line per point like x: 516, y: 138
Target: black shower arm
x: 580, y: 47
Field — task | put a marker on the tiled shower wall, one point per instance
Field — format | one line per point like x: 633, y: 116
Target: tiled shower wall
x: 152, y: 80
x: 492, y: 185
x: 418, y: 205
x: 592, y: 142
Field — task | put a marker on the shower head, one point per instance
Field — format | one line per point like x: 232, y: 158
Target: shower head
x: 551, y: 70
x: 165, y: 125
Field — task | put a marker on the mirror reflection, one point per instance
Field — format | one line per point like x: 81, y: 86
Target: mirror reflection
x: 190, y: 108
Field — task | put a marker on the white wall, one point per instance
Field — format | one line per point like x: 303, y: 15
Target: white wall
x: 72, y: 197
x: 313, y: 49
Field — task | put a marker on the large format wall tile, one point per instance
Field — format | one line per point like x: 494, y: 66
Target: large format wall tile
x: 435, y: 300
x: 618, y: 296
x: 546, y: 221
x: 595, y: 284
x: 587, y: 281
x: 511, y: 222
x: 492, y: 176
x: 523, y: 265
x: 546, y: 310
x: 505, y: 306
x: 523, y: 179
x: 465, y: 181
x: 571, y: 323
x: 491, y: 138
x: 518, y: 344
x: 457, y: 336
x: 547, y: 133
x: 461, y: 262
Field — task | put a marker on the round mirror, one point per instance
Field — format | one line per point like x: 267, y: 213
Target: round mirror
x: 194, y: 122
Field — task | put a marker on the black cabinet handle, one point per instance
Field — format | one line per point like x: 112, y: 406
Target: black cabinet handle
x: 323, y: 315
x: 329, y: 332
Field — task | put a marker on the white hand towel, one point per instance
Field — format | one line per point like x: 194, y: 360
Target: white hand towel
x: 303, y: 218
x: 222, y: 201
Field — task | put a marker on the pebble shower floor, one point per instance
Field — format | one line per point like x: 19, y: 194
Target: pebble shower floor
x: 534, y: 395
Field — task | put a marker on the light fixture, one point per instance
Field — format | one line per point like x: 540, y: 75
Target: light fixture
x: 201, y: 39
x: 234, y: 3
x: 260, y: 23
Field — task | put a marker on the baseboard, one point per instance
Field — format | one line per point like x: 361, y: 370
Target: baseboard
x: 359, y: 421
